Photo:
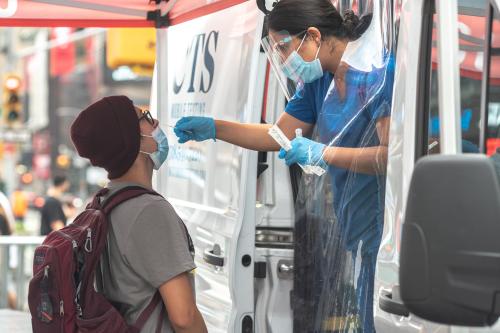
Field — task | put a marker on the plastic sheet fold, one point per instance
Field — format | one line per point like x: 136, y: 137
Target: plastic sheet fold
x: 339, y: 216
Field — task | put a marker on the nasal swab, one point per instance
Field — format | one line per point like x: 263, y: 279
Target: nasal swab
x: 316, y: 169
x: 190, y: 132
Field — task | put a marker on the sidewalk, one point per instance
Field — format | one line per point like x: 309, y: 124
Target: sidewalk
x: 15, y: 321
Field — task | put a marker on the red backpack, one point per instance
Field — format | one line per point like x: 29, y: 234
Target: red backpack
x: 62, y: 297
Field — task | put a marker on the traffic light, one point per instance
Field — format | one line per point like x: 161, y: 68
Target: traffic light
x: 131, y: 47
x: 63, y: 161
x: 12, y: 106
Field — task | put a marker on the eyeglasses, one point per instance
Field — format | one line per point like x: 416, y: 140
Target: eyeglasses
x: 147, y: 115
x: 283, y: 44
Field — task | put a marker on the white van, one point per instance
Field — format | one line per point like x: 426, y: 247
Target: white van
x: 239, y: 204
x: 236, y: 203
x: 440, y: 250
x: 440, y: 239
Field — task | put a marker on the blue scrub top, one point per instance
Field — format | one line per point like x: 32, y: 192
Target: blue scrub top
x: 307, y: 102
x: 348, y: 116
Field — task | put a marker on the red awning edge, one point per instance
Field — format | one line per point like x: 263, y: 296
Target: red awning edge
x: 41, y: 14
x: 203, y: 11
x: 77, y: 23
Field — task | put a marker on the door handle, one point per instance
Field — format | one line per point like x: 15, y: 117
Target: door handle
x: 214, y: 256
x: 285, y: 269
x: 390, y: 301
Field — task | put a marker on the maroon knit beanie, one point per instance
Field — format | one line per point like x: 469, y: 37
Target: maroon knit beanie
x: 108, y: 134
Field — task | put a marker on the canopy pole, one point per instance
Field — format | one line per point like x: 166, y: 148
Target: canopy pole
x: 159, y: 96
x: 161, y: 71
x: 161, y: 85
x: 166, y: 7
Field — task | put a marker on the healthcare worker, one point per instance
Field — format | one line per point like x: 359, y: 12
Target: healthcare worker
x: 307, y: 41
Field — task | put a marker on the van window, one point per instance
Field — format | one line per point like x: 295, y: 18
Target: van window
x: 471, y: 25
x: 492, y: 119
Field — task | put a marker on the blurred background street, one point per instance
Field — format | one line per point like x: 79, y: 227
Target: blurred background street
x: 47, y: 76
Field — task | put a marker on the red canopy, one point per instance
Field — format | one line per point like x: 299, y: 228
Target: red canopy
x: 471, y: 38
x: 102, y: 13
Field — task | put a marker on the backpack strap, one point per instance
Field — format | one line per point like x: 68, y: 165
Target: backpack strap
x: 107, y: 206
x: 148, y: 311
x: 161, y: 318
x: 123, y: 195
x: 130, y: 192
x: 96, y: 201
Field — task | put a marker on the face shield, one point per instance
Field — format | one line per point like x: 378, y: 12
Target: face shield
x: 340, y: 216
x: 278, y: 48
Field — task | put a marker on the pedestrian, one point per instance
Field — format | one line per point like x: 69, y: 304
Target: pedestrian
x: 5, y: 229
x: 148, y: 249
x: 52, y: 213
x: 19, y: 206
x: 3, y: 186
x: 342, y: 105
x: 6, y: 216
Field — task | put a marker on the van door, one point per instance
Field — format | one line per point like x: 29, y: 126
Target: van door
x: 213, y: 70
x: 417, y: 128
x: 274, y: 270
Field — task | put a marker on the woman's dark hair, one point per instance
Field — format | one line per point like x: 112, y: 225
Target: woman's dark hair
x: 296, y: 16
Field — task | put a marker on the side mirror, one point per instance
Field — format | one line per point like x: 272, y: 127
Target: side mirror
x: 450, y: 248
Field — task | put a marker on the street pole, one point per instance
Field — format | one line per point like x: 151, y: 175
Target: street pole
x: 9, y: 157
x: 10, y: 56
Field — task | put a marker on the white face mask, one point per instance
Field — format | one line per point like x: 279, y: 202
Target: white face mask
x: 160, y: 155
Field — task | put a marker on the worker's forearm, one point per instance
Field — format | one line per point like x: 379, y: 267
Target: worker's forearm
x: 196, y: 326
x: 369, y: 160
x: 250, y: 136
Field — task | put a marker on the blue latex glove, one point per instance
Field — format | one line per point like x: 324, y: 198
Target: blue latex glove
x: 195, y: 128
x: 305, y: 152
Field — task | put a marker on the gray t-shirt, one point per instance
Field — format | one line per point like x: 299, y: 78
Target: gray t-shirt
x: 147, y: 246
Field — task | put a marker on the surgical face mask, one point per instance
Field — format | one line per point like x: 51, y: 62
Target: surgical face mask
x: 297, y: 69
x: 160, y: 155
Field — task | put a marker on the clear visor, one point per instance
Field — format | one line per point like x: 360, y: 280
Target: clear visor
x: 278, y: 50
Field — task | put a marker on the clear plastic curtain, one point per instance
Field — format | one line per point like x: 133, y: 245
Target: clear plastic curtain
x: 339, y: 216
